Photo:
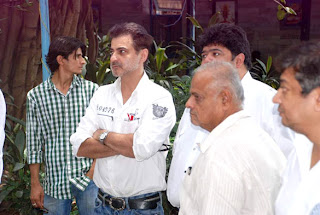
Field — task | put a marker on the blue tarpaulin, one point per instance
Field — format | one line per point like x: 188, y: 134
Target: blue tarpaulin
x: 45, y: 36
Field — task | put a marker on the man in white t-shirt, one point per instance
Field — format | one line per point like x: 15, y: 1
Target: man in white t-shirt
x: 124, y: 127
x: 299, y: 106
x: 226, y: 42
x: 239, y: 167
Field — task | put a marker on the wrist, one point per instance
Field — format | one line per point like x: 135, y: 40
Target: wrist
x: 103, y: 137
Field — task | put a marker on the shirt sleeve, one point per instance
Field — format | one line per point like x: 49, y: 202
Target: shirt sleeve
x: 34, y: 136
x: 87, y: 126
x: 157, y: 121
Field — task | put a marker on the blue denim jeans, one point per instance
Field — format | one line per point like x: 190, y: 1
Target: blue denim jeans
x: 85, y: 201
x: 103, y: 209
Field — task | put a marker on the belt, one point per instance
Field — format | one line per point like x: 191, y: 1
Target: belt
x: 118, y: 203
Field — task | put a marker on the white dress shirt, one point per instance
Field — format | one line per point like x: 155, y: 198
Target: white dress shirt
x: 238, y: 171
x: 150, y: 114
x: 2, y: 133
x: 300, y: 191
x: 258, y: 103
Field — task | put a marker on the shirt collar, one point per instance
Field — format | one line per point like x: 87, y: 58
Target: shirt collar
x: 246, y: 78
x: 76, y: 81
x: 217, y: 131
x: 143, y: 81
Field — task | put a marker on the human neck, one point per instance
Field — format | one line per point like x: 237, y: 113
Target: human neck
x: 62, y: 81
x: 129, y: 83
x: 242, y: 71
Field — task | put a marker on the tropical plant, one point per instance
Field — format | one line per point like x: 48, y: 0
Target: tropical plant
x: 99, y: 72
x: 262, y: 72
x: 15, y: 189
x: 283, y: 10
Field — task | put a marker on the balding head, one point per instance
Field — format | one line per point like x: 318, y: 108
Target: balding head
x: 216, y: 93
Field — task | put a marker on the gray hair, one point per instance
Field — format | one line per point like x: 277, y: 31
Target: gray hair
x: 304, y: 59
x: 224, y: 76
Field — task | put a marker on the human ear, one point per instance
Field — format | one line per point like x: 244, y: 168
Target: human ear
x: 59, y: 59
x: 239, y: 60
x: 144, y: 55
x: 225, y: 96
x: 317, y: 99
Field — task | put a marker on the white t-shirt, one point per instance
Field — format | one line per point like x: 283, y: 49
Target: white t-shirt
x: 238, y: 171
x: 300, y: 192
x: 150, y: 115
x: 258, y: 103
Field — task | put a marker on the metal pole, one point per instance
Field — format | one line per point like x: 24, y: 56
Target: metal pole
x: 45, y: 36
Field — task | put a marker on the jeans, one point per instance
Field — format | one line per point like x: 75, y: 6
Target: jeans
x: 103, y: 209
x: 85, y: 201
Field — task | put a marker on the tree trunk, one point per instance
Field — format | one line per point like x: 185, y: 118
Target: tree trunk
x: 20, y: 42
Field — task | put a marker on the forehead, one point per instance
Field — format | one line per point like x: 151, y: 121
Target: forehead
x: 200, y: 81
x: 215, y: 47
x: 124, y: 41
x: 288, y: 77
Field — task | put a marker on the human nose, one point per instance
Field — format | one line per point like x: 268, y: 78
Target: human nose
x: 113, y: 57
x: 82, y: 60
x: 205, y: 60
x: 276, y: 98
x: 189, y: 103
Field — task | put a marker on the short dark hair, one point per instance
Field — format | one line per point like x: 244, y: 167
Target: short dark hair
x: 229, y: 36
x: 141, y: 38
x: 304, y: 59
x: 63, y: 46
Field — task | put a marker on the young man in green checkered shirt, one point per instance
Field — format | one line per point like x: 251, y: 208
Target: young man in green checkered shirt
x: 54, y: 109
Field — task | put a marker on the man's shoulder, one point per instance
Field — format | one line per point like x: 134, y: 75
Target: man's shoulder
x: 258, y: 86
x: 87, y: 83
x: 41, y: 88
x: 156, y: 90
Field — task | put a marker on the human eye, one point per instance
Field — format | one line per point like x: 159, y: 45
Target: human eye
x: 122, y: 51
x: 215, y: 54
x: 203, y: 56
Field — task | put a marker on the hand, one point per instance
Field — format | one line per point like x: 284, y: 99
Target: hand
x: 91, y: 170
x: 97, y: 133
x: 37, y: 195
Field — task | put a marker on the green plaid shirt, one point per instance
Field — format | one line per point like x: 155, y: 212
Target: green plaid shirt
x: 51, y: 119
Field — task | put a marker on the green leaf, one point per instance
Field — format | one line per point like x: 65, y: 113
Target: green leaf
x: 279, y: 7
x: 263, y: 66
x: 20, y: 142
x: 18, y: 166
x: 19, y: 193
x: 213, y: 20
x: 172, y: 67
x: 290, y: 11
x: 269, y: 63
x: 4, y: 193
x: 160, y: 57
x: 14, y: 119
x: 195, y: 22
x: 281, y: 14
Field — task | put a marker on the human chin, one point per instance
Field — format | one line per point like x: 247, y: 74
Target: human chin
x: 194, y: 120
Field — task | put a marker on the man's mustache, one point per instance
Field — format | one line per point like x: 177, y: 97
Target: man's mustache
x: 116, y: 64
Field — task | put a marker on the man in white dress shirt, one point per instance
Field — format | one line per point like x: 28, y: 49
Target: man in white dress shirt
x: 226, y: 42
x: 239, y: 167
x: 299, y: 106
x: 2, y: 133
x: 124, y: 127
